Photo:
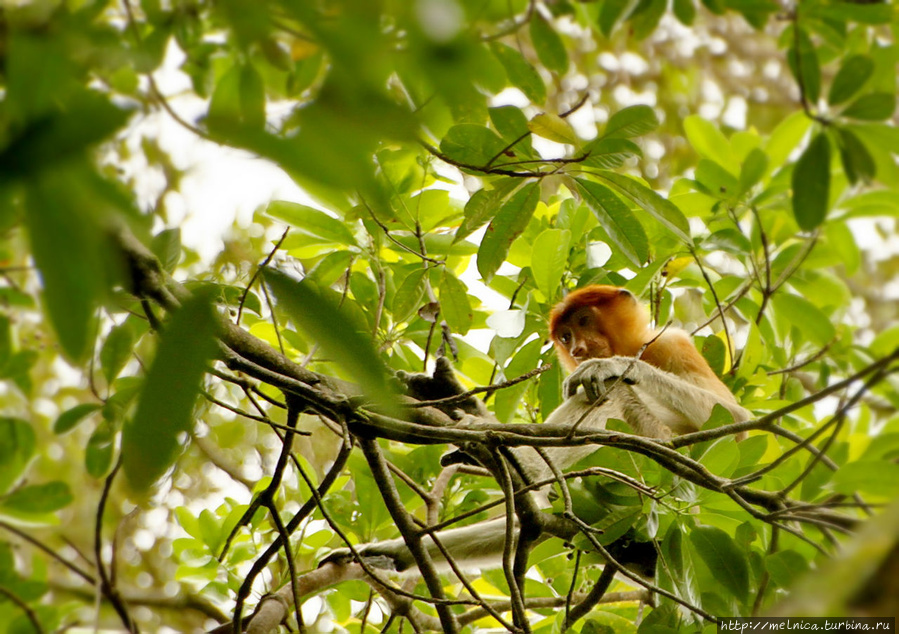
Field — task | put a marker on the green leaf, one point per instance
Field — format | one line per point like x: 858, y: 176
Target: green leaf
x: 616, y: 218
x: 6, y: 345
x: 151, y: 439
x: 549, y: 260
x: 521, y: 74
x: 853, y: 74
x: 814, y: 325
x: 408, y: 296
x: 482, y: 206
x: 472, y: 145
x: 753, y: 169
x: 548, y: 45
x: 725, y: 560
x: 252, y: 97
x: 877, y: 478
x: 685, y: 11
x: 39, y: 498
x: 610, y: 13
x: 454, y: 305
x: 238, y: 100
x: 803, y: 62
x: 659, y: 208
x: 709, y: 142
x: 100, y: 451
x: 507, y: 225
x: 877, y: 106
x: 785, y: 567
x: 166, y: 246
x: 116, y: 351
x: 331, y: 328
x: 17, y: 445
x: 553, y: 127
x: 857, y: 160
x: 311, y: 221
x: 67, y: 249
x: 606, y: 153
x: 631, y: 122
x: 811, y: 184
x: 70, y: 418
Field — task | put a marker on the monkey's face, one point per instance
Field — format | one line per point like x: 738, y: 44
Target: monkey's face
x: 581, y: 336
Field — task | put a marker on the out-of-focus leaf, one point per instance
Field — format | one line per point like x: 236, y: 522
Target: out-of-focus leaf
x: 876, y: 478
x: 609, y: 14
x: 166, y: 245
x: 685, y: 11
x: 630, y: 122
x: 472, y: 145
x: 521, y: 74
x: 616, y: 218
x: 321, y: 319
x: 454, y: 304
x: 708, y: 141
x: 785, y: 567
x: 38, y: 498
x: 874, y: 107
x: 238, y: 100
x: 853, y: 74
x: 803, y: 62
x: 552, y: 127
x: 609, y: 153
x: 311, y: 221
x: 550, y: 260
x: 116, y: 351
x: 549, y: 46
x: 99, y: 452
x: 814, y: 325
x: 725, y: 560
x: 857, y: 160
x: 483, y: 205
x: 753, y: 169
x: 659, y: 208
x: 408, y: 296
x: 150, y: 440
x: 17, y: 444
x: 811, y: 183
x: 70, y: 418
x: 507, y: 225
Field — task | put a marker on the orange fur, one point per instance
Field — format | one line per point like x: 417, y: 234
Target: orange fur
x: 603, y: 321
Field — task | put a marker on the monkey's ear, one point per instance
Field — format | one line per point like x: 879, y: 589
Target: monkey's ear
x: 624, y: 291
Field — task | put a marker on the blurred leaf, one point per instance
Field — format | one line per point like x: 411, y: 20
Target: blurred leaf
x: 548, y: 44
x: 609, y: 14
x: 631, y: 122
x: 17, y: 446
x: 623, y: 228
x: 853, y: 73
x: 874, y: 107
x: 454, y: 304
x: 549, y: 260
x: 472, y: 145
x: 117, y: 349
x: 609, y: 153
x: 856, y: 159
x: 166, y: 246
x: 70, y: 418
x: 38, y: 498
x: 659, y: 208
x: 753, y: 169
x: 877, y: 478
x: 311, y: 221
x: 814, y: 325
x: 803, y: 61
x: 509, y: 222
x: 409, y: 295
x: 708, y: 141
x: 552, y: 127
x: 521, y: 74
x: 785, y: 567
x: 725, y: 560
x: 164, y: 416
x: 482, y: 206
x: 238, y: 100
x: 685, y: 11
x: 330, y: 327
x: 811, y: 183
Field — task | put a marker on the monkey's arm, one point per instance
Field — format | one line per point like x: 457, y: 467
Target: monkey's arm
x: 679, y: 404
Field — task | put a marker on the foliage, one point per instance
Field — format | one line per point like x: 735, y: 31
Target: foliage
x: 453, y: 152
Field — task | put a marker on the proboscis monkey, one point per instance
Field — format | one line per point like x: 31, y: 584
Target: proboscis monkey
x: 597, y: 332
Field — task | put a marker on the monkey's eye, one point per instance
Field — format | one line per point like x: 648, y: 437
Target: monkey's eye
x: 565, y: 338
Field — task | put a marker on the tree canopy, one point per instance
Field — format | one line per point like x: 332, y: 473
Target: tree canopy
x: 179, y: 440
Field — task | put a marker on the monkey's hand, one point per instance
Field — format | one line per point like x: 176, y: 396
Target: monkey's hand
x: 440, y: 385
x: 598, y: 375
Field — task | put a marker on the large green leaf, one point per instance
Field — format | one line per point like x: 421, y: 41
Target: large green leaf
x: 454, y: 304
x: 662, y: 209
x: 630, y: 122
x: 507, y: 225
x: 874, y: 107
x: 521, y: 74
x: 549, y: 260
x: 853, y: 74
x: 811, y: 183
x: 311, y: 221
x: 331, y: 328
x: 472, y: 145
x: 151, y: 439
x: 618, y: 220
x: 548, y: 45
x: 725, y: 560
x: 38, y: 498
